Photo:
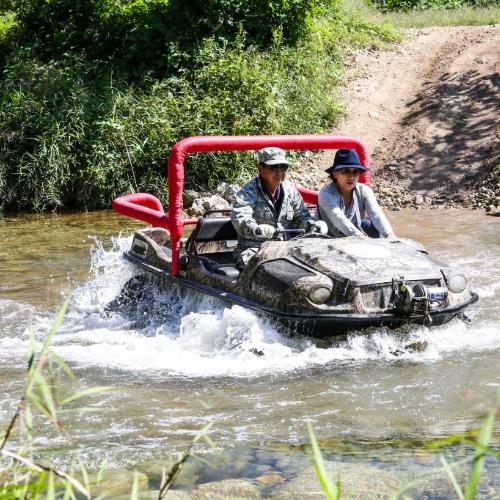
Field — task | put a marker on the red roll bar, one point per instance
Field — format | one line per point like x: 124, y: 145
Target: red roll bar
x: 147, y: 208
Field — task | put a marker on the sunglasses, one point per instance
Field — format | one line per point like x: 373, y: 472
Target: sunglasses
x: 278, y: 168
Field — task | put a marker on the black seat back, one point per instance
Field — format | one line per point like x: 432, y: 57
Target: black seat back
x: 215, y: 229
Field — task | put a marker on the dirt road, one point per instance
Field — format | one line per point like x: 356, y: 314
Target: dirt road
x: 428, y: 110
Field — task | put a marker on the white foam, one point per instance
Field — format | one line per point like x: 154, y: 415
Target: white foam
x: 183, y: 333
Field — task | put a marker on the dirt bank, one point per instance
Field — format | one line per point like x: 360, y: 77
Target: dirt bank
x: 428, y: 110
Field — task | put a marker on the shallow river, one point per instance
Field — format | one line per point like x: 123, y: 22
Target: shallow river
x: 182, y: 362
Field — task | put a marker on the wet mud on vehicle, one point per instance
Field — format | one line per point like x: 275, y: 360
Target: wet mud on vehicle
x: 314, y: 285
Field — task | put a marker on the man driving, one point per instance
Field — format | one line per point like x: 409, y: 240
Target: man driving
x: 267, y: 204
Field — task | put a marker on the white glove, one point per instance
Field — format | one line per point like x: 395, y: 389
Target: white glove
x: 319, y: 227
x: 264, y: 231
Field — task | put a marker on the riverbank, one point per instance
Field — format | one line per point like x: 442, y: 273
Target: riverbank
x: 86, y: 116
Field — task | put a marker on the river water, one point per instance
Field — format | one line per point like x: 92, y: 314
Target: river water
x: 180, y: 361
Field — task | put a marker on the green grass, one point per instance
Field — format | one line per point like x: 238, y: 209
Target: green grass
x: 464, y: 16
x: 331, y: 488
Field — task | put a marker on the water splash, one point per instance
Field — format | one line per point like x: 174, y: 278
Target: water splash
x: 172, y: 332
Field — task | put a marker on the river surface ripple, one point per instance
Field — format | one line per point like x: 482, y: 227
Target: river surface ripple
x: 181, y: 361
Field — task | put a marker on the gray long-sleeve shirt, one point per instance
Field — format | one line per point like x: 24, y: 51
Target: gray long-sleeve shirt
x: 332, y: 210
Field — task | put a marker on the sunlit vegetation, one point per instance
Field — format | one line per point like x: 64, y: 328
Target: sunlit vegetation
x: 440, y: 14
x: 95, y: 92
x: 406, y: 5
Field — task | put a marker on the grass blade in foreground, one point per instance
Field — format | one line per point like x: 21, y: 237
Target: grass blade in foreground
x: 41, y: 391
x: 479, y: 455
x: 332, y: 489
x: 452, y: 477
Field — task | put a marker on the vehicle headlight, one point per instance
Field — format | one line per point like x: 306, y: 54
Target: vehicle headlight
x: 320, y: 294
x: 456, y: 283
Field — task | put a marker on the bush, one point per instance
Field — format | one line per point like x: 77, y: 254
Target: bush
x: 75, y: 132
x: 73, y: 138
x: 157, y: 37
x: 45, y: 115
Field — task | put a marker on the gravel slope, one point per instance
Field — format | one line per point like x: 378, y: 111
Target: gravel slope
x: 428, y: 109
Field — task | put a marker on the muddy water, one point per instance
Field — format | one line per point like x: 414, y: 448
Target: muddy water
x: 180, y: 361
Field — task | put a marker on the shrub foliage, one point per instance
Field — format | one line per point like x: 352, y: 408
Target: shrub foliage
x: 155, y: 36
x: 95, y: 92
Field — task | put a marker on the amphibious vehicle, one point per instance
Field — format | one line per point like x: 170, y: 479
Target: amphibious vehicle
x: 315, y: 285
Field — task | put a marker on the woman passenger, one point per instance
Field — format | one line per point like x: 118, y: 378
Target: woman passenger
x: 349, y: 208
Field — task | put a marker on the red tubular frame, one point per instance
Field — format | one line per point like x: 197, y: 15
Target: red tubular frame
x: 147, y: 208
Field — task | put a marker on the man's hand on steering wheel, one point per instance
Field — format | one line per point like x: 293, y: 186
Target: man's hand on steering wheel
x: 264, y: 231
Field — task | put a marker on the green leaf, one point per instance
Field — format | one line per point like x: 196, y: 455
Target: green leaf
x: 63, y: 365
x: 85, y: 476
x: 51, y: 492
x: 28, y: 419
x: 456, y: 438
x: 84, y: 393
x: 134, y: 494
x: 479, y: 455
x: 47, y: 397
x: 55, y: 326
x: 201, y: 434
x: 31, y: 349
x: 452, y: 477
x: 100, y: 472
x: 210, y: 443
x: 331, y: 489
x: 44, y: 353
x: 68, y: 492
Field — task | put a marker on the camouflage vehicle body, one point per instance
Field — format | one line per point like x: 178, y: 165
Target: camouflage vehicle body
x: 316, y: 285
x: 320, y: 286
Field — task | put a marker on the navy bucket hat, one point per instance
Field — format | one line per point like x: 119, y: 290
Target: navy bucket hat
x: 346, y: 158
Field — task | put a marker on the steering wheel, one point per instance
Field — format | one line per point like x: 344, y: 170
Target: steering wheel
x: 299, y: 233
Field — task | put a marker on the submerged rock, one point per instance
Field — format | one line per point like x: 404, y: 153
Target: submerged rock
x: 153, y: 494
x: 271, y: 478
x: 357, y: 480
x: 118, y: 482
x: 228, y: 488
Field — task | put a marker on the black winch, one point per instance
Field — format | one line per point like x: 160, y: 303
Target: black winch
x: 414, y: 301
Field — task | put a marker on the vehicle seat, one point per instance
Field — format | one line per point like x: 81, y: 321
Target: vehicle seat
x: 227, y: 270
x: 215, y: 229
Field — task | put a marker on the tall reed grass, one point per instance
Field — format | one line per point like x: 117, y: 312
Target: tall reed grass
x: 21, y: 476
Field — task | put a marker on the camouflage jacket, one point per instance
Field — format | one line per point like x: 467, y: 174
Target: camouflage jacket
x: 253, y: 206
